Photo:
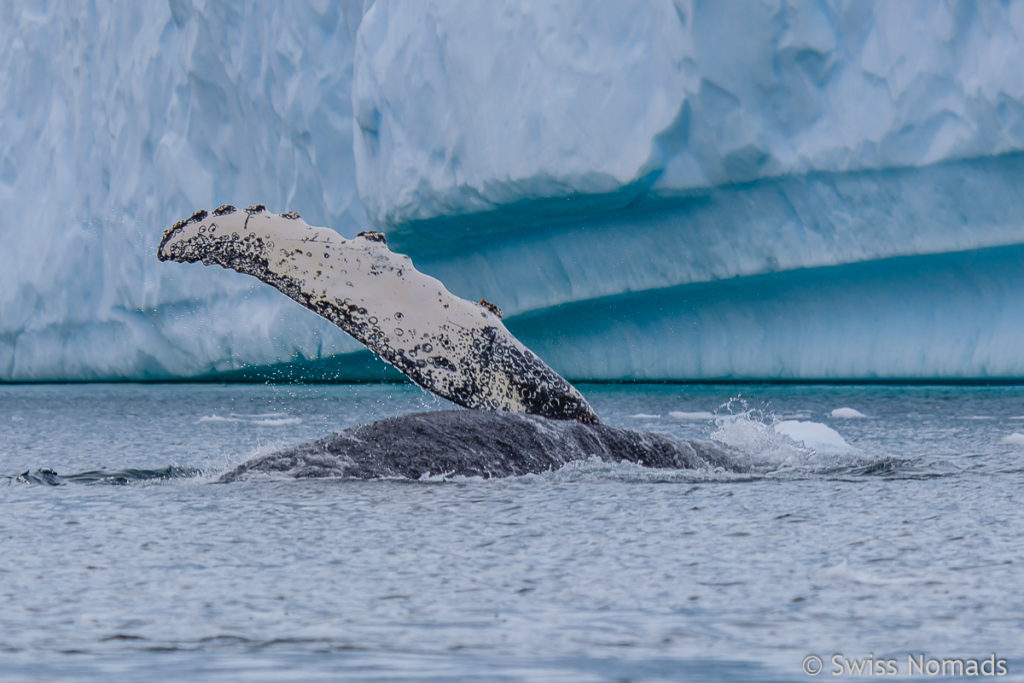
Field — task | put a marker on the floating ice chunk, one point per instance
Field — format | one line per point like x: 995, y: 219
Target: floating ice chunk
x: 847, y: 413
x: 645, y: 416
x: 262, y: 419
x: 278, y: 422
x: 1015, y: 439
x: 821, y: 438
x: 694, y: 416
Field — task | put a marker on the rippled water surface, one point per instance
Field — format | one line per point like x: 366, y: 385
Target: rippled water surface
x: 897, y: 533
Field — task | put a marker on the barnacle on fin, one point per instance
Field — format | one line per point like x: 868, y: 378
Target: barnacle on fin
x: 258, y: 208
x: 194, y: 218
x: 374, y: 236
x: 490, y: 307
x: 291, y: 215
x: 223, y: 209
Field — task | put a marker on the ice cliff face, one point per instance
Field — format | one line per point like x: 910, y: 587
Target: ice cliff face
x: 671, y: 190
x: 118, y: 120
x: 561, y: 99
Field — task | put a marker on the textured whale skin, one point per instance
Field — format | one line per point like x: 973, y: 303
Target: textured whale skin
x: 479, y: 444
x: 455, y: 348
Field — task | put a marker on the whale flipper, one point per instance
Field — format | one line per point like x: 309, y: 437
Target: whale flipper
x: 457, y: 349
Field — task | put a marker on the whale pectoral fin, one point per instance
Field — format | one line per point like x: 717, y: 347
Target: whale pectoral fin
x: 458, y: 349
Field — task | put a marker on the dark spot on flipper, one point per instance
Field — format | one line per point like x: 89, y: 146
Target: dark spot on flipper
x: 442, y: 362
x: 374, y: 236
x: 223, y: 209
x: 490, y: 307
x: 194, y: 218
x: 253, y: 210
x: 290, y: 215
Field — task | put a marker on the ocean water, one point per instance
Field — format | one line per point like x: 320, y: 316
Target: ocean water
x: 889, y: 536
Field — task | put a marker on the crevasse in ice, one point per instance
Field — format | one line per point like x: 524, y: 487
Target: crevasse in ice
x: 665, y: 190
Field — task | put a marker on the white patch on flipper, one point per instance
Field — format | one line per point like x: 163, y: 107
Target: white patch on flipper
x: 456, y: 348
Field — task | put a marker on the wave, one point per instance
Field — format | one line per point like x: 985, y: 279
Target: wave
x: 49, y: 477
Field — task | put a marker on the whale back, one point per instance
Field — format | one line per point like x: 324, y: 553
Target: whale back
x: 457, y: 349
x: 479, y: 444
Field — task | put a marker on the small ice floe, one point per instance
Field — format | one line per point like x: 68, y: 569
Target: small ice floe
x: 691, y: 417
x: 278, y: 421
x: 821, y: 438
x: 1015, y: 439
x: 17, y: 418
x: 847, y: 413
x: 265, y: 419
x: 645, y: 416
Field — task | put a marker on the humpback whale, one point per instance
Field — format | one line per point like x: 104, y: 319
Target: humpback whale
x: 527, y: 419
x: 457, y: 349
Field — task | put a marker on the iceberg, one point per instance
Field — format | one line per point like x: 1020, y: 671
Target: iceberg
x: 800, y: 190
